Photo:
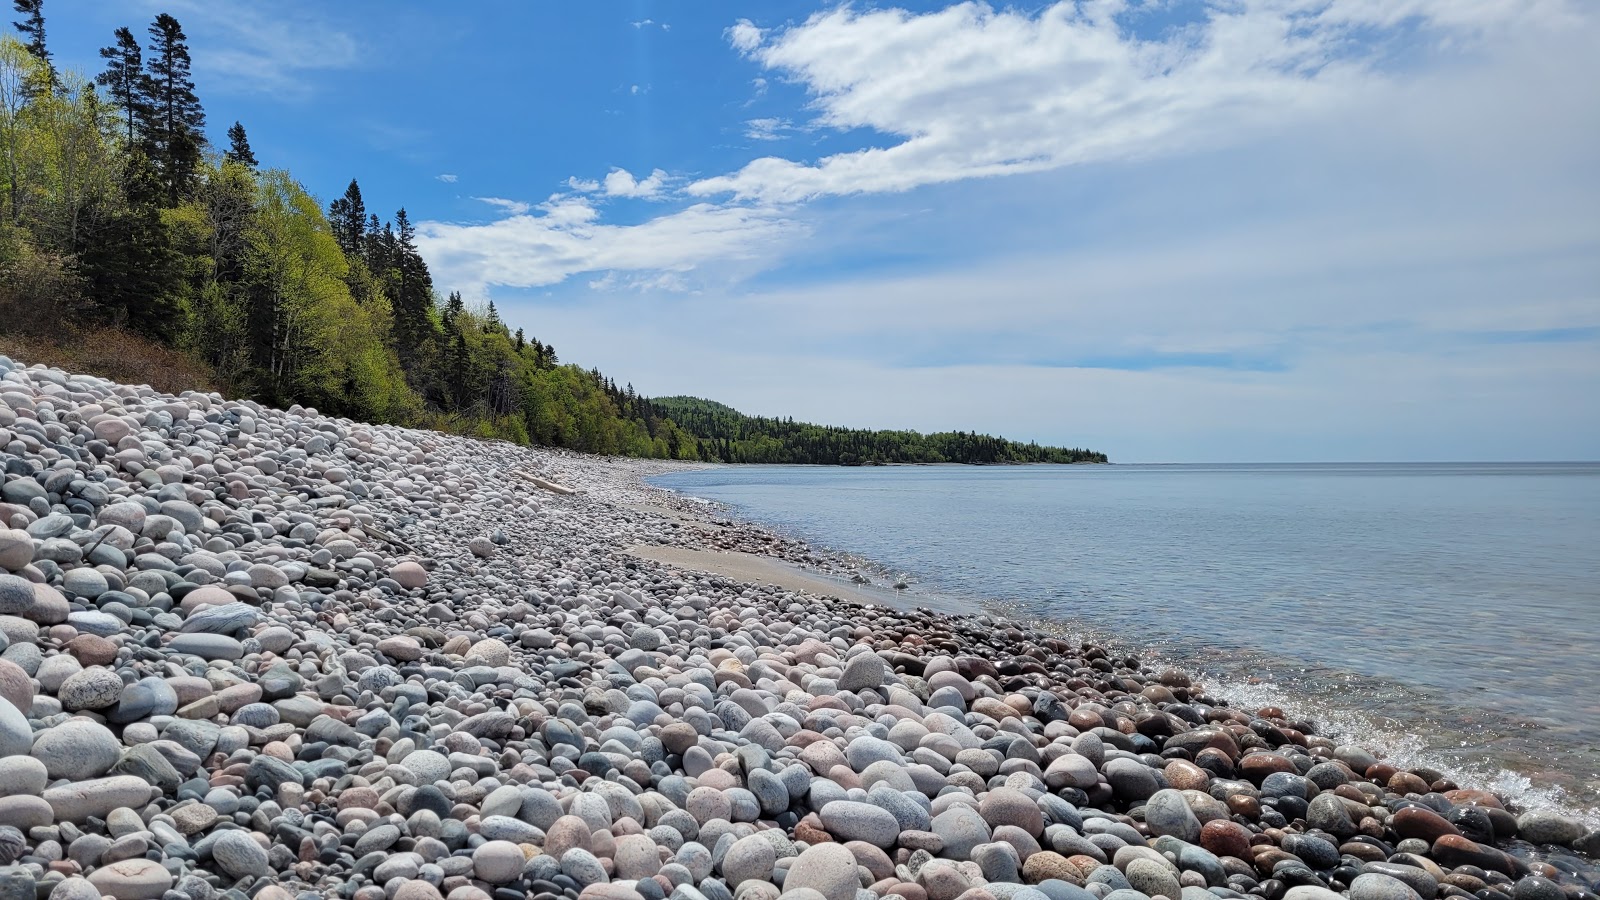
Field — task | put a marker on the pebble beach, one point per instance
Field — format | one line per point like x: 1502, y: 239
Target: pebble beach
x: 248, y: 652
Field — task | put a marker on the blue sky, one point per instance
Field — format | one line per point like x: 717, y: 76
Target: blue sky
x: 1171, y: 230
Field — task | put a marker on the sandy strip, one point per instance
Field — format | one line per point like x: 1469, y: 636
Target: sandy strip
x: 671, y: 515
x: 754, y: 569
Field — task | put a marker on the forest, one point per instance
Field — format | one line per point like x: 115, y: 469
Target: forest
x: 728, y: 435
x: 131, y: 242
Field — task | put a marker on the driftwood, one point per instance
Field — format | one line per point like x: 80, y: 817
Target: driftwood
x: 382, y: 535
x: 546, y: 484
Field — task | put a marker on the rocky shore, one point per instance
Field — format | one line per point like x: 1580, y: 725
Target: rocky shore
x: 258, y: 653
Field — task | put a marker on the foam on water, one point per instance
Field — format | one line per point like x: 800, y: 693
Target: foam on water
x: 1402, y: 748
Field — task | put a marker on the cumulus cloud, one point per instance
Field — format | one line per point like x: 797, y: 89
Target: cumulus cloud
x: 621, y: 183
x: 971, y: 92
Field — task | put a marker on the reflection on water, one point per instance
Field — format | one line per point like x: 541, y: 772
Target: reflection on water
x: 1453, y: 607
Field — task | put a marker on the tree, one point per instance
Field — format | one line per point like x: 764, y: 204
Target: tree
x: 175, y: 137
x: 413, y: 288
x: 72, y: 167
x: 124, y: 80
x: 348, y: 217
x: 32, y: 27
x: 130, y: 266
x: 239, y: 147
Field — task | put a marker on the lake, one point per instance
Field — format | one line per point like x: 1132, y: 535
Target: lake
x: 1449, y: 613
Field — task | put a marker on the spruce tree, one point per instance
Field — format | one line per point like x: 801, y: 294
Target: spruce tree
x: 239, y: 147
x: 372, y: 247
x: 124, y: 80
x: 413, y: 295
x: 32, y: 28
x: 175, y: 138
x: 348, y: 217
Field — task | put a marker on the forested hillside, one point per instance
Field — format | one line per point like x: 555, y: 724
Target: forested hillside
x: 128, y: 237
x: 730, y: 436
x: 120, y: 221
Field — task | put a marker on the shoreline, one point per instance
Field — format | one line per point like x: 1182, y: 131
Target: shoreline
x: 1355, y: 722
x: 292, y: 655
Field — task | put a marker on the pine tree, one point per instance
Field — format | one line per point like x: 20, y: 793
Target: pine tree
x: 32, y: 28
x: 521, y: 341
x: 348, y: 216
x: 175, y: 137
x: 124, y: 80
x: 239, y: 147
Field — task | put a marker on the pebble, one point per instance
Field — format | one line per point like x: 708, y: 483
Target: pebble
x: 239, y: 855
x: 278, y: 654
x: 497, y: 862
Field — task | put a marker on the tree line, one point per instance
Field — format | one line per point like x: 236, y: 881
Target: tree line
x: 727, y: 435
x: 118, y: 215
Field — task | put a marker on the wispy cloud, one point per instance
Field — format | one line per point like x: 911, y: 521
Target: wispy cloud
x: 652, y: 23
x: 564, y: 239
x: 971, y: 92
x: 767, y: 129
x: 447, y: 178
x: 1439, y: 185
x: 512, y: 207
x: 244, y: 47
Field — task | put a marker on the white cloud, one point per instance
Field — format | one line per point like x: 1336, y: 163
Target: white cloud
x: 971, y: 92
x: 564, y: 239
x: 1365, y: 209
x: 767, y: 129
x: 646, y: 23
x: 744, y: 36
x: 512, y: 207
x: 621, y: 183
x: 447, y: 178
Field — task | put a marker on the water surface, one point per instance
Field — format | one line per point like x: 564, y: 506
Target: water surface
x: 1452, y: 608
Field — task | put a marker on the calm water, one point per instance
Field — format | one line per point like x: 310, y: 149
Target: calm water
x: 1452, y: 609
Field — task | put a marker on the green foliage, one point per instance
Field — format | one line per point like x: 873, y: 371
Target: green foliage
x: 731, y: 436
x: 118, y: 221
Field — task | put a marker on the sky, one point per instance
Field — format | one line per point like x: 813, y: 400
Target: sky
x: 1170, y: 230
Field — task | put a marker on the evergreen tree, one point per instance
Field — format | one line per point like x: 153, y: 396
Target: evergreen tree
x: 348, y: 217
x: 124, y: 80
x: 130, y: 268
x: 413, y: 296
x: 372, y: 247
x: 239, y: 147
x: 32, y: 27
x: 175, y: 137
